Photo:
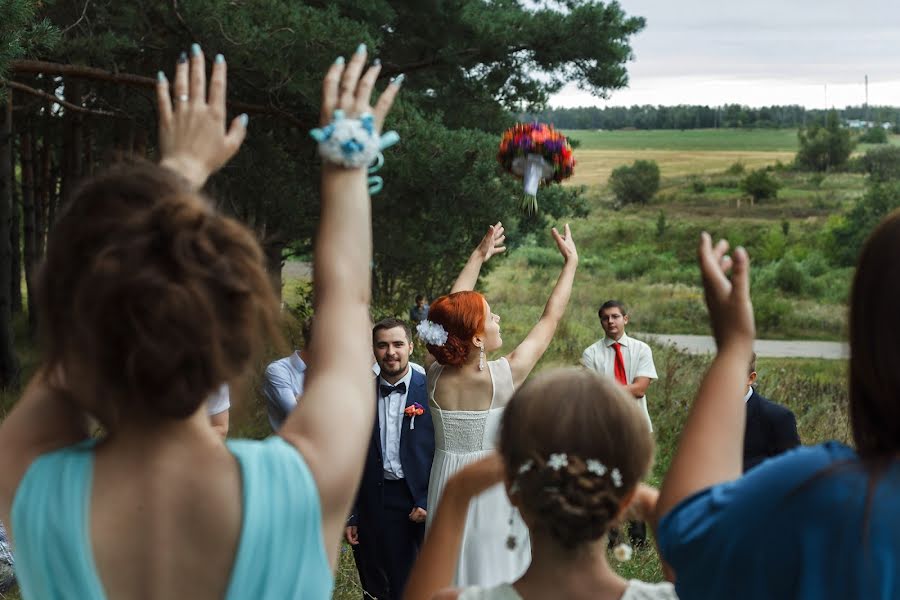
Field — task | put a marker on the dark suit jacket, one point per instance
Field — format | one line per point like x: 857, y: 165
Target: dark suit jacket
x: 416, y: 456
x: 771, y: 429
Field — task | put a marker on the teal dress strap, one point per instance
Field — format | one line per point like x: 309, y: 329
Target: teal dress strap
x: 282, y: 549
x: 51, y: 526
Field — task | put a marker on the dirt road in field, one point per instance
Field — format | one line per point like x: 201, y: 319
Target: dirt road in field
x: 704, y: 344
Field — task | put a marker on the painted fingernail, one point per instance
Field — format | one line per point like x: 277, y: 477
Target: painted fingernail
x: 182, y: 58
x: 195, y: 49
x: 220, y: 59
x: 361, y: 48
x: 244, y: 119
x: 339, y: 60
x: 376, y: 62
x: 161, y: 77
x: 398, y: 80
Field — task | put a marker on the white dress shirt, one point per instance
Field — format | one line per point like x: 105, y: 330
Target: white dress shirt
x: 219, y: 401
x: 601, y: 357
x: 282, y: 385
x: 390, y: 421
x: 748, y: 394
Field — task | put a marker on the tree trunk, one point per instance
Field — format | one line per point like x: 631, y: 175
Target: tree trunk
x: 9, y: 363
x: 273, y: 251
x: 43, y: 196
x: 15, y: 243
x: 29, y: 223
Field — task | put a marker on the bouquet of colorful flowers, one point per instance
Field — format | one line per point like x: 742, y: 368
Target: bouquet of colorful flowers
x: 537, y: 153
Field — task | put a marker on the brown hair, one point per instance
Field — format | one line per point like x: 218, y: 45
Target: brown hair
x: 148, y: 298
x: 752, y: 365
x: 586, y: 416
x: 391, y: 323
x: 462, y: 315
x: 874, y: 354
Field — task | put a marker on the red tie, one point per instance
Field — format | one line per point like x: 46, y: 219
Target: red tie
x: 619, y: 367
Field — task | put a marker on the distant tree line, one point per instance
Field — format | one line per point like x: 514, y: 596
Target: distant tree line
x: 705, y: 117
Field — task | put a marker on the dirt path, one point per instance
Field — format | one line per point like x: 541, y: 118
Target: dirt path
x: 704, y: 344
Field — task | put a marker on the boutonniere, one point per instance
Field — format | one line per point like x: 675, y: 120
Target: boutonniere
x: 411, y: 411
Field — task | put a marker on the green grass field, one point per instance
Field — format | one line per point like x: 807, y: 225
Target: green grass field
x: 750, y: 140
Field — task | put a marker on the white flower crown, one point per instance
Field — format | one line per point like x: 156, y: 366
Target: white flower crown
x: 432, y: 333
x: 558, y: 461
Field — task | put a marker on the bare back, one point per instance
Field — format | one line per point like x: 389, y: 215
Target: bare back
x: 461, y: 388
x: 165, y: 523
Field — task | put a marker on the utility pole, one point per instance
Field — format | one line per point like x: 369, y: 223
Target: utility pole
x: 867, y: 101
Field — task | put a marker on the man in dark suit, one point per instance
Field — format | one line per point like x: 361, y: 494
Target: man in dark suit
x: 771, y: 428
x: 388, y: 524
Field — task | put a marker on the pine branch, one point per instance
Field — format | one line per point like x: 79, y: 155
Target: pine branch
x: 93, y: 73
x: 14, y: 85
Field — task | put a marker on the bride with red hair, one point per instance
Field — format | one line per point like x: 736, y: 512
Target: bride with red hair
x: 468, y: 393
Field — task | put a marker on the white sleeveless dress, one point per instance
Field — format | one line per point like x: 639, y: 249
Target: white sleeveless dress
x: 462, y: 437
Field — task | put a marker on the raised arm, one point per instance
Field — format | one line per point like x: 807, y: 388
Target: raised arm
x: 523, y: 359
x: 490, y: 244
x: 332, y: 426
x: 711, y: 446
x: 436, y: 564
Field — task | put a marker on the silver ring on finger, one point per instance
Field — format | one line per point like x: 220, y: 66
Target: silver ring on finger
x: 183, y: 98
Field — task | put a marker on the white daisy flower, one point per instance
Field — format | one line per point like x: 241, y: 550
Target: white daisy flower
x: 616, y: 478
x: 622, y: 552
x: 558, y: 461
x: 596, y: 467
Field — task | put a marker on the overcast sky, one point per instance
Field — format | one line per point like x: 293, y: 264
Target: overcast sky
x: 759, y: 52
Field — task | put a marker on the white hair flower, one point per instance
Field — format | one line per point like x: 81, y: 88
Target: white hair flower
x: 432, y: 333
x: 616, y: 478
x: 622, y: 552
x: 596, y: 467
x: 526, y: 466
x: 558, y: 461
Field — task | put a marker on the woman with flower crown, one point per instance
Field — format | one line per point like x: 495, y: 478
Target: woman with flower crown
x: 468, y: 393
x: 572, y: 452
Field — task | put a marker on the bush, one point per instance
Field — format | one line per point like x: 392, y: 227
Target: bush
x: 636, y: 183
x: 698, y: 185
x: 736, y: 169
x: 789, y: 277
x: 760, y: 185
x: 824, y: 148
x: 874, y: 135
x: 846, y: 235
x: 883, y: 163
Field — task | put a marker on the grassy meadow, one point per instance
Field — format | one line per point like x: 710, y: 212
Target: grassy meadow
x: 645, y: 256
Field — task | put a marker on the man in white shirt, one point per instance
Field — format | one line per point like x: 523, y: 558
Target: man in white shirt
x: 387, y: 526
x: 283, y: 381
x: 630, y: 362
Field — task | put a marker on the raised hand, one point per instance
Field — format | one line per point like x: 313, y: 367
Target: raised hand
x: 193, y: 138
x: 728, y: 300
x: 566, y: 244
x: 344, y: 89
x: 492, y: 242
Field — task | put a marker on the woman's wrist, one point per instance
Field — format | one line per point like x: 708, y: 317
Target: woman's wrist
x: 193, y: 171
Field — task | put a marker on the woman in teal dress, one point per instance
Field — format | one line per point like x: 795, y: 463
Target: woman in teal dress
x: 149, y: 299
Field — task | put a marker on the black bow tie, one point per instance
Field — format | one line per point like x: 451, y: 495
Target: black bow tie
x: 387, y: 390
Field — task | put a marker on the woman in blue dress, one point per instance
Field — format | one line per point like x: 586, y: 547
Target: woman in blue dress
x: 149, y: 299
x: 818, y: 522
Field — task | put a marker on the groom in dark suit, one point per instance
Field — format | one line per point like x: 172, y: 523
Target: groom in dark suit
x: 388, y: 523
x: 771, y: 428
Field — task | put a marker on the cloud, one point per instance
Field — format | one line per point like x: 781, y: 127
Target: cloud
x: 792, y: 43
